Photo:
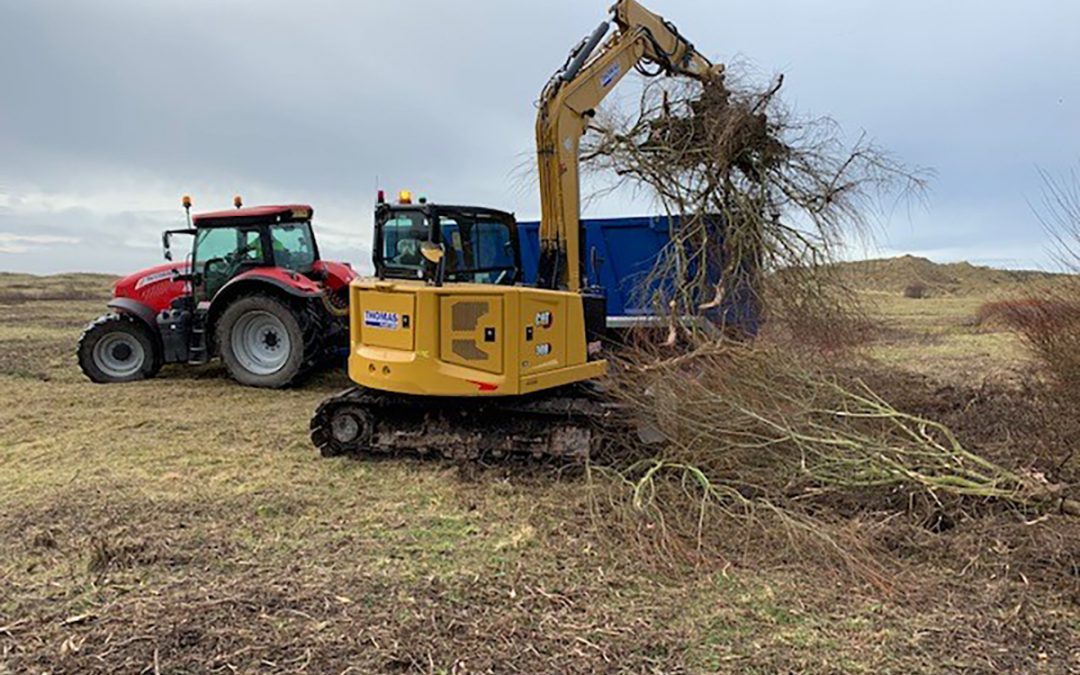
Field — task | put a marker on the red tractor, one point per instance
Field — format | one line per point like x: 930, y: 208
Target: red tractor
x: 253, y: 291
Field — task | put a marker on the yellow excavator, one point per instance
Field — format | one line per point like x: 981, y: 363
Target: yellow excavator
x: 468, y: 365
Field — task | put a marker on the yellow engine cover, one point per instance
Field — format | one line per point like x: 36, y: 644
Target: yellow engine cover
x: 466, y: 339
x: 470, y: 326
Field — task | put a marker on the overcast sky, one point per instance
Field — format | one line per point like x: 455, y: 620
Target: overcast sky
x: 111, y: 109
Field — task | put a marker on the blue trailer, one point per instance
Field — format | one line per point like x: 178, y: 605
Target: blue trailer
x: 626, y: 250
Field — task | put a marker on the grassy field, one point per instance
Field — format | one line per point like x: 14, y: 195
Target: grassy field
x: 186, y: 525
x: 940, y: 337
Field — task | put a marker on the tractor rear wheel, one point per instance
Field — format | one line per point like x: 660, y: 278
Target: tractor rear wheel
x: 261, y: 342
x: 118, y: 348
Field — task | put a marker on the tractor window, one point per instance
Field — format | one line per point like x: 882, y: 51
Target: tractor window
x: 252, y: 248
x: 478, y: 250
x: 402, y: 234
x: 221, y: 253
x: 294, y: 246
x: 230, y: 243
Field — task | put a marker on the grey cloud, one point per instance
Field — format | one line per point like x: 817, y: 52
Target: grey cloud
x: 314, y: 101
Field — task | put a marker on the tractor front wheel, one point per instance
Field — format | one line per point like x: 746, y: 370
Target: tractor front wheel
x: 118, y: 348
x: 261, y: 342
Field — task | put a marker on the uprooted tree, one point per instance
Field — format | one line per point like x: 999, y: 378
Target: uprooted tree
x: 763, y: 202
x: 766, y: 200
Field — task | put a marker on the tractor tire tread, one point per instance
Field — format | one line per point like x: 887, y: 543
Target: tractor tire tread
x: 116, y: 321
x: 294, y: 371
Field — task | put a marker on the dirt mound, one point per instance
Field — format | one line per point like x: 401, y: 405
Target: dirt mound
x: 894, y: 275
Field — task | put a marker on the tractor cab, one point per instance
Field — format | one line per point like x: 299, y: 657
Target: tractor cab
x: 228, y: 244
x: 475, y: 244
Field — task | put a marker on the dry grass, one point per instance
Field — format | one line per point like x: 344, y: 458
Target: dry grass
x: 1050, y: 327
x: 185, y: 523
x: 19, y: 288
x: 943, y: 339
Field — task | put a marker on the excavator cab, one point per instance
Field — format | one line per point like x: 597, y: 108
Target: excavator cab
x: 479, y: 245
x: 447, y: 315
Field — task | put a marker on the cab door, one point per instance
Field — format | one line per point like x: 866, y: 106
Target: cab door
x: 481, y: 245
x: 223, y: 252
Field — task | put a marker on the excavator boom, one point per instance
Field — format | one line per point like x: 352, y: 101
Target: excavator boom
x: 570, y: 100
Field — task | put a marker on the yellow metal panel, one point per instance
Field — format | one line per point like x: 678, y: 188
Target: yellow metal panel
x: 472, y: 331
x: 386, y: 319
x: 445, y: 349
x: 544, y: 318
x: 563, y: 376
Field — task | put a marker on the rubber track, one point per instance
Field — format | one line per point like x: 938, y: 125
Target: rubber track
x: 561, y: 425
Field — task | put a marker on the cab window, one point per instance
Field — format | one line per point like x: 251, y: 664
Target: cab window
x: 221, y: 253
x: 294, y: 246
x: 478, y: 250
x: 402, y: 236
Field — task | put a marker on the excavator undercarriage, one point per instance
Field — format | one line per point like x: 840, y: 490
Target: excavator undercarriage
x: 568, y: 424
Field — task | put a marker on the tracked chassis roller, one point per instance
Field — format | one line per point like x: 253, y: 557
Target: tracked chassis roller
x: 565, y: 425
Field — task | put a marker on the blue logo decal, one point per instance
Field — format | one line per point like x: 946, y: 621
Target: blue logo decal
x: 385, y: 320
x: 610, y: 74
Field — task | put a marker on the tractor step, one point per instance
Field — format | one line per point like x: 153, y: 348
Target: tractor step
x: 197, y: 352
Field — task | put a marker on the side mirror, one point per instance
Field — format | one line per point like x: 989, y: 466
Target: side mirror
x: 189, y: 277
x: 435, y: 254
x: 432, y: 252
x: 166, y: 241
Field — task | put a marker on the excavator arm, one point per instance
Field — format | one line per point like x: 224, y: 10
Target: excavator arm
x: 569, y: 100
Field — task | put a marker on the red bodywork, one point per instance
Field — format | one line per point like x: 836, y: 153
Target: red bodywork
x: 156, y: 287
x: 338, y: 275
x: 300, y: 284
x: 260, y: 213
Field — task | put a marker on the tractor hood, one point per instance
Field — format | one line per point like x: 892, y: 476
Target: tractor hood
x: 153, y: 286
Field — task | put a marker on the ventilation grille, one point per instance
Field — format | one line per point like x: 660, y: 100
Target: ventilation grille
x: 468, y: 350
x: 466, y: 315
